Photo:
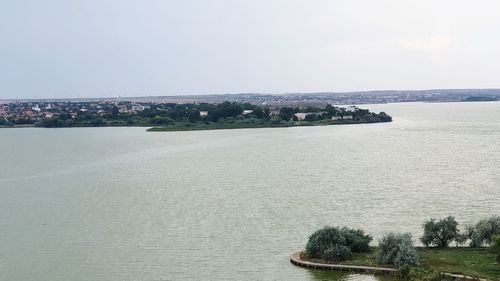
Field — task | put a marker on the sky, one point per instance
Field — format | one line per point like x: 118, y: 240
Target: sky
x: 104, y: 48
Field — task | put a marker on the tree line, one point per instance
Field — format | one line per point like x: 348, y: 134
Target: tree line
x: 336, y: 244
x: 205, y: 114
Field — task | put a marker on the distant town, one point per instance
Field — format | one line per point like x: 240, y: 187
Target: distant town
x: 303, y: 99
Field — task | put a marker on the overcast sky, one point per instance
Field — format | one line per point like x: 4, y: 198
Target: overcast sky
x: 90, y: 48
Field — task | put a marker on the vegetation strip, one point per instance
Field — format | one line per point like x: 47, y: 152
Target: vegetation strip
x: 179, y: 117
x: 295, y: 259
x: 463, y: 277
x: 348, y: 249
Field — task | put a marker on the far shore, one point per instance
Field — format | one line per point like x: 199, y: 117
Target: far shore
x: 255, y: 126
x: 152, y: 128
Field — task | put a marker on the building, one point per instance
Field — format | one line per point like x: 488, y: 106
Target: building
x: 274, y: 112
x: 343, y: 117
x: 351, y: 108
x: 36, y: 108
x: 301, y: 115
x: 140, y: 107
x: 248, y: 111
x: 203, y: 113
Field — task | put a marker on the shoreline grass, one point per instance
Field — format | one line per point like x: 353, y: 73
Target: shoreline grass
x: 473, y: 262
x: 213, y: 126
x: 229, y: 126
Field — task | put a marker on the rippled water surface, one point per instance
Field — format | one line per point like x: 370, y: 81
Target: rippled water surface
x: 123, y: 204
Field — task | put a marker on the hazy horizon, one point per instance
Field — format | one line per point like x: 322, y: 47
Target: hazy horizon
x: 78, y: 49
x: 263, y: 94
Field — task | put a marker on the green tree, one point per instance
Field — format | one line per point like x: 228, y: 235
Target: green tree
x: 440, y: 233
x: 194, y: 115
x: 115, y: 111
x: 287, y: 113
x: 258, y: 112
x: 483, y: 231
x: 461, y: 238
x: 331, y: 110
x: 495, y: 248
x: 267, y: 113
x: 5, y: 122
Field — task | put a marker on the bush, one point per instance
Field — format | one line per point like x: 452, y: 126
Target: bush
x: 397, y: 249
x: 323, y: 239
x: 331, y: 243
x: 482, y: 233
x: 337, y: 253
x: 495, y: 248
x: 5, y: 122
x: 356, y: 239
x: 404, y: 272
x: 440, y: 233
x: 421, y: 274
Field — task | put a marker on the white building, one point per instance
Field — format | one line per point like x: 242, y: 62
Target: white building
x: 139, y: 107
x: 248, y: 111
x: 351, y: 108
x: 36, y: 108
x: 301, y: 115
x: 344, y: 117
x: 203, y: 113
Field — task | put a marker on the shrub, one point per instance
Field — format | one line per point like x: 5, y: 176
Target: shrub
x: 495, y: 248
x: 483, y: 231
x: 440, y: 233
x: 422, y: 274
x: 397, y: 249
x: 323, y: 239
x: 335, y: 244
x: 356, y: 239
x: 404, y: 272
x: 5, y: 122
x: 337, y: 253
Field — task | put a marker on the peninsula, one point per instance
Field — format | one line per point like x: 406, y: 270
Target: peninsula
x: 179, y: 116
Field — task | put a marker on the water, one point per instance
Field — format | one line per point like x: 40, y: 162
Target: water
x: 124, y: 204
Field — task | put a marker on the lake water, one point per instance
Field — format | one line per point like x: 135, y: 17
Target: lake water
x: 124, y: 204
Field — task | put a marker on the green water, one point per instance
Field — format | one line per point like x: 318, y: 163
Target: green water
x: 123, y: 204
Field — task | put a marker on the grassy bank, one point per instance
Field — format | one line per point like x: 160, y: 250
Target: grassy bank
x: 17, y: 126
x: 223, y: 126
x: 475, y: 262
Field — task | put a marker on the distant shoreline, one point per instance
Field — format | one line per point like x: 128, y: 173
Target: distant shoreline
x: 152, y: 128
x: 444, y: 95
x: 257, y: 126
